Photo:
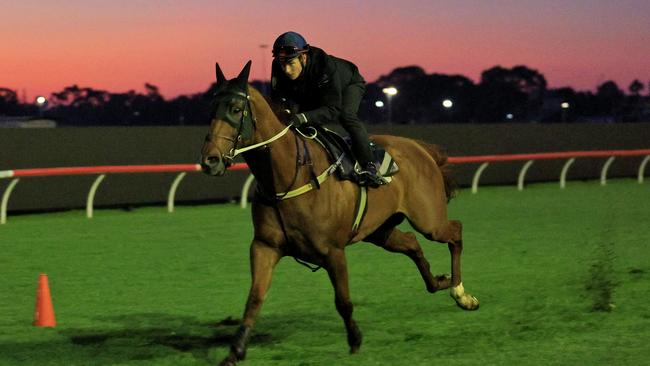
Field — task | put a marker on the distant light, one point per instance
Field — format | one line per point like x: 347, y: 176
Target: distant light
x: 565, y: 105
x: 41, y: 100
x: 447, y: 103
x: 379, y: 104
x: 509, y: 116
x: 390, y: 91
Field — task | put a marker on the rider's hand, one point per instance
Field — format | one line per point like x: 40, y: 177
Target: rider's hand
x: 298, y: 119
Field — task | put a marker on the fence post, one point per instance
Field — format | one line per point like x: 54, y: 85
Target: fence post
x: 5, y: 200
x: 642, y: 168
x: 522, y: 174
x: 243, y: 201
x: 477, y: 177
x: 603, y: 171
x: 565, y: 170
x: 91, y: 195
x: 172, y: 192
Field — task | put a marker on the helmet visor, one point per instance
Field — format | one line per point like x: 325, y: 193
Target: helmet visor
x: 286, y: 53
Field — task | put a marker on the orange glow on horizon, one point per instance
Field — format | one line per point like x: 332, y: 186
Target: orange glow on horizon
x: 120, y: 47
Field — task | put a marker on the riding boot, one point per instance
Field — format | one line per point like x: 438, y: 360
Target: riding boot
x: 370, y: 176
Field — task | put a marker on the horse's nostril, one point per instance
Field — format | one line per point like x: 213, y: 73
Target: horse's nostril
x: 212, y: 160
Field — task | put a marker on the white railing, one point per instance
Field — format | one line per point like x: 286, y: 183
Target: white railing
x: 182, y: 169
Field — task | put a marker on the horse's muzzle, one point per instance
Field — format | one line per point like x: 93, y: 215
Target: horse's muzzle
x: 213, y: 165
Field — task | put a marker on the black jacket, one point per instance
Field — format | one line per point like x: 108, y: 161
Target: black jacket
x: 317, y: 91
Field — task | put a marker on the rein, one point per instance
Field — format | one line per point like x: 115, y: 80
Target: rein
x: 234, y: 152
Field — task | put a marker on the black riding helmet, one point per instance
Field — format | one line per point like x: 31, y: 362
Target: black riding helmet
x: 289, y: 45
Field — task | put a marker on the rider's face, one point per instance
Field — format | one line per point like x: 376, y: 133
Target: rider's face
x: 293, y: 68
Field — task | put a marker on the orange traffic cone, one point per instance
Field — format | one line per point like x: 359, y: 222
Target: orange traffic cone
x: 44, y: 313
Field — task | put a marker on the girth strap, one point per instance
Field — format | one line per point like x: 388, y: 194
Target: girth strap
x: 309, y: 186
x: 362, y: 204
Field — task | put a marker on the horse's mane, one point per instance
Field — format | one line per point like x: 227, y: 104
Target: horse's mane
x: 279, y: 110
x: 440, y: 156
x: 282, y: 113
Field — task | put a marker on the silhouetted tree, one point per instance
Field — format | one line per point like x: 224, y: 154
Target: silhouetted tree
x: 519, y: 91
x: 402, y: 105
x: 635, y: 102
x: 499, y: 95
x: 400, y: 76
x: 552, y: 110
x: 609, y: 100
x: 8, y: 102
x: 435, y: 88
x: 635, y: 87
x: 419, y: 98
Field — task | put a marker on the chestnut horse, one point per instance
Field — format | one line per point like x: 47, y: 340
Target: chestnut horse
x: 315, y: 223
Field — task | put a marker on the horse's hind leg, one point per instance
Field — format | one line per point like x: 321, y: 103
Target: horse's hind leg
x: 394, y: 240
x: 337, y: 268
x: 451, y: 232
x: 263, y: 260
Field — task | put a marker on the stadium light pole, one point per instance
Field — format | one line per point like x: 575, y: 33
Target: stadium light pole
x: 447, y: 104
x: 390, y: 93
x: 41, y: 101
x: 264, y: 47
x: 565, y: 108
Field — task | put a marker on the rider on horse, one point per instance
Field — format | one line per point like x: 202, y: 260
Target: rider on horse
x: 322, y: 88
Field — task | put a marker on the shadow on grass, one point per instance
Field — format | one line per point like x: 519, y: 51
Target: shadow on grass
x: 130, y: 338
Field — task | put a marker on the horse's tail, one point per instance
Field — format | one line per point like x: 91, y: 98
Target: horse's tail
x: 440, y: 156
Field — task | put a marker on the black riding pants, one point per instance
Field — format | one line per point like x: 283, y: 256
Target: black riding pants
x: 351, y: 98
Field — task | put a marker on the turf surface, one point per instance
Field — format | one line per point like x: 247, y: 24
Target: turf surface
x: 562, y: 276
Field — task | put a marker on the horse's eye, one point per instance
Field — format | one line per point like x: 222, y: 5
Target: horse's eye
x: 236, y: 110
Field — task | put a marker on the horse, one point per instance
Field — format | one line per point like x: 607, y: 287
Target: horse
x: 314, y: 223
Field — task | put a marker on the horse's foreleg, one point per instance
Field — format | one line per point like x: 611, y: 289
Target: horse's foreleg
x: 397, y: 241
x: 263, y: 260
x: 337, y: 268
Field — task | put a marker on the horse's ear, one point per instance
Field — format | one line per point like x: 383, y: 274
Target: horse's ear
x: 243, y: 75
x: 220, y: 76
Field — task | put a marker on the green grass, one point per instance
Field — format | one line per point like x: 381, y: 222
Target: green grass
x: 562, y: 276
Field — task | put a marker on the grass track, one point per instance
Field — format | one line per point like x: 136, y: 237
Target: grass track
x: 562, y: 276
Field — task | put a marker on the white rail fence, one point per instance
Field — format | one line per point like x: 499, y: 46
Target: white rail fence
x: 183, y: 169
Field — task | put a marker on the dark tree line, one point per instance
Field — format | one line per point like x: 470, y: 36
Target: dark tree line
x: 518, y: 94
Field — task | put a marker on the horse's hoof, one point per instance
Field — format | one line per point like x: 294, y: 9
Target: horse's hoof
x: 464, y: 300
x: 354, y: 339
x: 468, y: 302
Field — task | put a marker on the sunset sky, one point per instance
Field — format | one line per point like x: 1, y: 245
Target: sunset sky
x: 119, y: 45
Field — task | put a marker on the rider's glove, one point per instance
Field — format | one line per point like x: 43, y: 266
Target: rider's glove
x: 298, y: 119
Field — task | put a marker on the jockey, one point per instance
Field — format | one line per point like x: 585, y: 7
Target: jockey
x: 323, y: 88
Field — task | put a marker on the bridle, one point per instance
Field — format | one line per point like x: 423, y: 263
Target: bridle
x: 245, y: 128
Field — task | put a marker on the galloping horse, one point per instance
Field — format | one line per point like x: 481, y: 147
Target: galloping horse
x: 313, y: 222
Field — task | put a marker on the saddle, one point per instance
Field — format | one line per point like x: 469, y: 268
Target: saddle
x: 340, y: 154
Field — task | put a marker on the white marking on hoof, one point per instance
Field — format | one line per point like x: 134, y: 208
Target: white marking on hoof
x: 464, y: 300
